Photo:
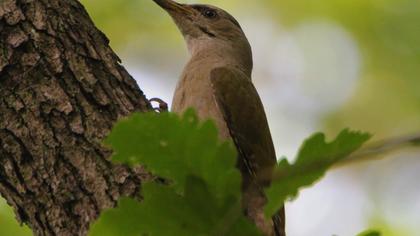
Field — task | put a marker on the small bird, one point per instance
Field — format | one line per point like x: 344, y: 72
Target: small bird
x: 217, y: 82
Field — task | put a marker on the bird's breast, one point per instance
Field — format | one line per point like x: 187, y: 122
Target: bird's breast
x: 194, y: 90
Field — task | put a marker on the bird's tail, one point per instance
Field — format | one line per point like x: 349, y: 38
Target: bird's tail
x: 279, y: 221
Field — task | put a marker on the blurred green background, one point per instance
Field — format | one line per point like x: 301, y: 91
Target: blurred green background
x: 319, y: 66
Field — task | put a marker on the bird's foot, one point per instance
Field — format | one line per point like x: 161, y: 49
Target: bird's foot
x: 163, y: 106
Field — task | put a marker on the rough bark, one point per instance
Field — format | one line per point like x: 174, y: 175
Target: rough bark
x: 61, y: 90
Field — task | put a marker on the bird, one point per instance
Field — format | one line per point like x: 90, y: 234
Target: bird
x: 216, y: 82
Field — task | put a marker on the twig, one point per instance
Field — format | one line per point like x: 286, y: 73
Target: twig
x: 375, y: 151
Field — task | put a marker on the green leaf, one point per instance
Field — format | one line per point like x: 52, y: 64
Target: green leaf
x: 162, y: 212
x: 174, y: 148
x: 313, y: 160
x: 8, y: 223
x: 165, y: 212
x: 370, y: 233
x: 203, y: 196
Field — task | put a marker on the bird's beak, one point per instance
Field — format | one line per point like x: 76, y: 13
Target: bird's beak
x: 174, y: 8
x: 183, y: 15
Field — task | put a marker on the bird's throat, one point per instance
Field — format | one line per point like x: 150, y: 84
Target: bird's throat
x: 217, y: 53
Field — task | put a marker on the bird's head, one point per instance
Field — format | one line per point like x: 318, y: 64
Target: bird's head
x: 208, y: 28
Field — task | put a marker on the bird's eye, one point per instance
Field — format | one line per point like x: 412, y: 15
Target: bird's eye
x: 210, y: 13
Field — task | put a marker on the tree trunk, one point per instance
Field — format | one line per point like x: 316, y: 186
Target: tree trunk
x: 61, y: 90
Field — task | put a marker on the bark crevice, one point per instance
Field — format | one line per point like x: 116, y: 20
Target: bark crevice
x: 61, y: 90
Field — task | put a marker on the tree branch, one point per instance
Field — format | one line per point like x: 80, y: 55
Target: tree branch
x: 378, y: 149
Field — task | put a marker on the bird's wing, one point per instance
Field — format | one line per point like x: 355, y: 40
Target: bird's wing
x: 244, y: 114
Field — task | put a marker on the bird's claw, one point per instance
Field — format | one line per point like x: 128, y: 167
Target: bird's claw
x: 163, y: 106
